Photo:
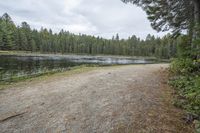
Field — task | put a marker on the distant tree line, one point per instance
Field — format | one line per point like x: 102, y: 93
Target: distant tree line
x: 23, y: 38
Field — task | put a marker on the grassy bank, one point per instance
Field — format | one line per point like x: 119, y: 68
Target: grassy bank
x: 3, y: 52
x: 44, y: 76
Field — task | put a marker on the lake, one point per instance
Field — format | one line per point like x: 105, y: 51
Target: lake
x: 15, y: 66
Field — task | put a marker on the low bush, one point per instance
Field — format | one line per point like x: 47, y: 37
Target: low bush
x: 184, y: 66
x: 185, y: 80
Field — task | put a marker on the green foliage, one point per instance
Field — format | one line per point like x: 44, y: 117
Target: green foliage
x: 188, y: 88
x: 175, y: 15
x: 180, y: 15
x: 197, y: 126
x: 183, y: 66
x: 45, y: 41
x: 196, y: 44
x: 33, y: 46
x: 7, y: 29
x: 184, y: 46
x: 186, y: 77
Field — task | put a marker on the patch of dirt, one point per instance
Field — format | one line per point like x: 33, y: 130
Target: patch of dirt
x: 127, y: 99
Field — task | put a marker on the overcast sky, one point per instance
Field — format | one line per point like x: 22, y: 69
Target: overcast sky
x: 94, y: 17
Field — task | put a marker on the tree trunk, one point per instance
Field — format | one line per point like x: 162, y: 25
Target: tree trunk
x: 196, y: 11
x: 196, y: 4
x: 196, y: 32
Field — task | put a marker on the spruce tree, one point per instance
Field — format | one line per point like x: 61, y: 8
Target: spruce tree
x: 7, y: 29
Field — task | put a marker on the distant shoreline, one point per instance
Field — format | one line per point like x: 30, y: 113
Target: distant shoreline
x: 28, y: 53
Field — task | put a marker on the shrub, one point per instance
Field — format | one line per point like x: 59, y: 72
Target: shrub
x: 183, y: 66
x: 186, y: 81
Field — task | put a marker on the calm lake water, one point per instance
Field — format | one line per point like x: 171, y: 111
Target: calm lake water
x: 12, y: 66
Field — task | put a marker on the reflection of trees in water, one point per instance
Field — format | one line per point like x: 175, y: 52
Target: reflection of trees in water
x: 13, y: 67
x: 1, y: 73
x: 16, y: 66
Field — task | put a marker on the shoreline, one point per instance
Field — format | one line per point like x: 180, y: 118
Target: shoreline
x: 28, y: 53
x: 44, y: 76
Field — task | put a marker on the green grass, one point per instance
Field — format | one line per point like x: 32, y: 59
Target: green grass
x: 13, y: 52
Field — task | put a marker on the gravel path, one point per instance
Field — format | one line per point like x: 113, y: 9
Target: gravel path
x: 126, y: 99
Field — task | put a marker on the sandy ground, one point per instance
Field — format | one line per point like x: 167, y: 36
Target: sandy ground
x: 126, y: 99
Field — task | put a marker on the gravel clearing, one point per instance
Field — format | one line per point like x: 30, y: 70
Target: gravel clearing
x: 124, y: 99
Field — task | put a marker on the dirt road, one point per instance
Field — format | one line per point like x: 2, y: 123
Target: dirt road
x: 126, y: 99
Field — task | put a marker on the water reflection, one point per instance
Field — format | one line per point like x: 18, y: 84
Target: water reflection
x: 19, y: 66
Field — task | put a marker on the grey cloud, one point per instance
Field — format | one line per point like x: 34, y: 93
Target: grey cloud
x: 97, y: 17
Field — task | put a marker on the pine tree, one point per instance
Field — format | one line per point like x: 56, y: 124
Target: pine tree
x: 25, y: 28
x: 7, y: 31
x: 33, y: 46
x: 1, y: 35
x: 177, y: 15
x: 23, y: 40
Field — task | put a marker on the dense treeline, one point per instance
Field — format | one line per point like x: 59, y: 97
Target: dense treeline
x: 23, y: 38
